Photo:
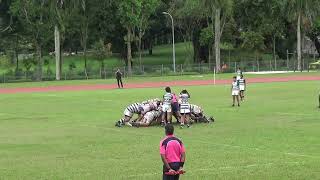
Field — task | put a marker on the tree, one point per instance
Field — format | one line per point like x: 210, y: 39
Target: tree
x: 148, y: 7
x: 188, y: 16
x: 101, y: 51
x: 35, y: 19
x: 129, y: 12
x: 302, y: 10
x: 218, y: 10
x: 253, y: 41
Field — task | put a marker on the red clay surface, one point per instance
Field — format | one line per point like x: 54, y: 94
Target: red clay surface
x: 151, y: 84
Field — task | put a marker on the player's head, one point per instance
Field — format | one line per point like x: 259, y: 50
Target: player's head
x: 241, y: 76
x: 169, y: 129
x: 168, y: 89
x: 234, y: 78
x: 184, y: 91
x: 239, y: 68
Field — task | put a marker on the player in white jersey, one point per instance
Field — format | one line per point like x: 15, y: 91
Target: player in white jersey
x: 242, y: 87
x: 166, y: 107
x: 197, y: 115
x: 235, y: 90
x: 135, y: 108
x: 239, y: 73
x: 148, y: 118
x: 184, y: 108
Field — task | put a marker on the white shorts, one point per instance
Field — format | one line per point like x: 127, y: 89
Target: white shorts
x: 184, y: 108
x: 242, y: 88
x: 127, y: 113
x: 166, y: 108
x: 235, y: 92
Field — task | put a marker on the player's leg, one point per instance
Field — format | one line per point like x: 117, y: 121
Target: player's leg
x: 118, y: 83
x: 182, y: 120
x: 187, y: 120
x: 121, y: 83
x: 319, y: 100
x: 234, y: 99
x: 169, y: 117
x: 238, y: 100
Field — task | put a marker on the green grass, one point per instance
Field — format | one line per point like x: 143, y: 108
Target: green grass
x: 71, y: 135
x: 150, y: 79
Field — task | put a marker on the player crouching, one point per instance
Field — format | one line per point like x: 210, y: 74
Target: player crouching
x: 136, y: 108
x: 148, y: 119
x: 197, y: 115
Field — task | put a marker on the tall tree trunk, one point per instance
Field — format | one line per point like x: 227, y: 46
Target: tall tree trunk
x: 299, y: 41
x: 57, y: 52
x: 317, y: 45
x: 140, y: 52
x: 217, y: 38
x: 129, y: 56
x: 85, y: 59
x: 274, y: 52
x: 40, y: 63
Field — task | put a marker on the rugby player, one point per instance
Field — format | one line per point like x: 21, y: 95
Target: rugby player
x: 148, y: 118
x: 239, y: 73
x: 184, y: 108
x: 166, y: 107
x: 132, y: 109
x: 242, y: 87
x: 175, y: 107
x: 235, y: 90
x: 136, y: 108
x: 197, y: 115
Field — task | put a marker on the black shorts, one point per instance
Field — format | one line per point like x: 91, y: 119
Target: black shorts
x: 175, y: 166
x: 175, y: 107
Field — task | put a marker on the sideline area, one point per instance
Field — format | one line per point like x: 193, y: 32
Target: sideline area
x: 152, y: 84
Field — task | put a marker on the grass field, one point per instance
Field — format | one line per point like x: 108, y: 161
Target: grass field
x: 71, y: 135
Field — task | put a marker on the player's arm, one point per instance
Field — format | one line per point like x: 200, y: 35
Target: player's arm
x: 165, y: 162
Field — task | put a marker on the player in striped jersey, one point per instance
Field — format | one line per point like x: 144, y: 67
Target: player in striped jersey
x: 239, y: 73
x: 184, y: 108
x: 166, y: 107
x: 135, y: 108
x: 148, y: 118
x: 197, y: 115
x: 242, y: 87
x: 235, y: 90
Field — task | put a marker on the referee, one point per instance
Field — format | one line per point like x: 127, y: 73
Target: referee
x: 119, y: 78
x: 172, y: 153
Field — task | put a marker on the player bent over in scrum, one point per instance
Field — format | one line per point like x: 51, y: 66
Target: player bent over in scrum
x: 148, y: 118
x: 132, y: 109
x: 136, y: 108
x: 197, y: 115
x: 184, y: 108
x: 235, y: 90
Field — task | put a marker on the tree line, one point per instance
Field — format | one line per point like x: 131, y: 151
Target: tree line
x: 131, y: 26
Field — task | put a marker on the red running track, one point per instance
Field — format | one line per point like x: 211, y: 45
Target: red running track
x: 151, y: 84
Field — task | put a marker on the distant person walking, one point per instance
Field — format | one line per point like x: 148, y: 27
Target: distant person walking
x: 119, y: 78
x: 173, y: 155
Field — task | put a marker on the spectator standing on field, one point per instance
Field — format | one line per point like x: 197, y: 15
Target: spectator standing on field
x: 172, y: 153
x: 119, y: 78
